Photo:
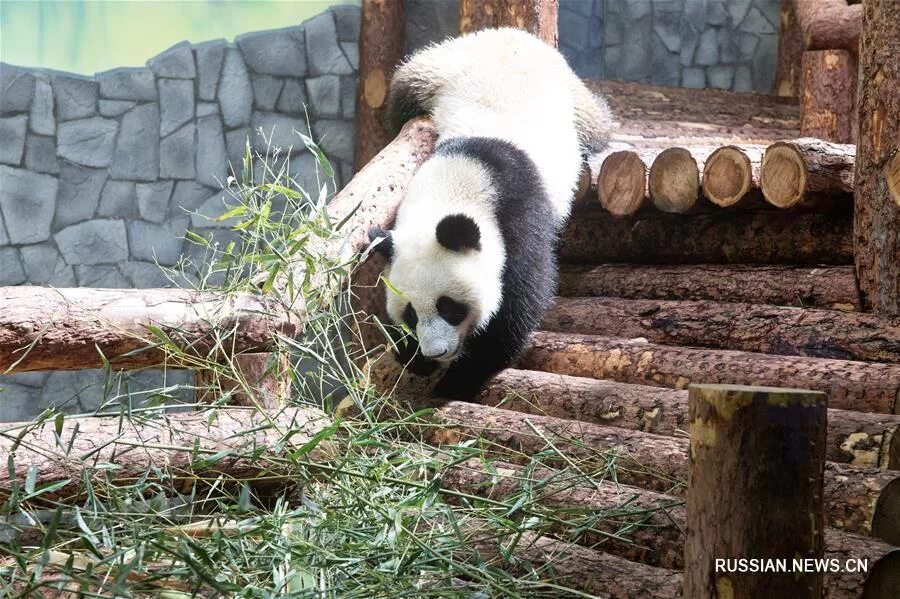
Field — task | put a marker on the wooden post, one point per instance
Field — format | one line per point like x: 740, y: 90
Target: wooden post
x: 381, y: 45
x: 790, y: 48
x: 828, y: 99
x: 534, y: 16
x: 755, y: 490
x: 876, y: 223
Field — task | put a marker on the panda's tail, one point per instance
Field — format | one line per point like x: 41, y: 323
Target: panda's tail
x: 593, y: 119
x: 414, y: 85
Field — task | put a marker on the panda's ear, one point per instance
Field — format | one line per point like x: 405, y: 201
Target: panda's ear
x: 459, y: 233
x: 385, y: 246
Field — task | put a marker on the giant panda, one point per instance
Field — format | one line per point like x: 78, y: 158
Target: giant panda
x: 471, y: 256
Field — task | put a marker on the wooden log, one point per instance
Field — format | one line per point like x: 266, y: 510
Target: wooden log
x: 74, y: 329
x: 381, y: 47
x: 877, y: 196
x: 857, y: 438
x: 860, y: 386
x: 793, y: 170
x: 730, y: 173
x: 622, y: 183
x: 790, y: 49
x: 260, y: 380
x: 177, y: 443
x: 858, y: 500
x: 538, y: 17
x: 820, y: 287
x: 748, y: 327
x: 828, y: 99
x: 661, y: 539
x: 737, y: 507
x: 761, y: 237
x: 829, y: 24
x: 674, y: 181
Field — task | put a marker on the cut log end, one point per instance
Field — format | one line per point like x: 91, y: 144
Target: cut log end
x: 727, y: 176
x: 674, y: 181
x: 622, y: 183
x: 892, y: 176
x: 884, y: 578
x: 886, y: 519
x: 783, y: 175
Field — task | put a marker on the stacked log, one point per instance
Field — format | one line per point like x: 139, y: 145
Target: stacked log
x: 792, y: 171
x: 622, y: 183
x: 730, y: 173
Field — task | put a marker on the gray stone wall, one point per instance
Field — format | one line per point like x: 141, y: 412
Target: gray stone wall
x: 101, y: 177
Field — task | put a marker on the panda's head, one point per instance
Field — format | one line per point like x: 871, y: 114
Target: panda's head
x: 446, y: 258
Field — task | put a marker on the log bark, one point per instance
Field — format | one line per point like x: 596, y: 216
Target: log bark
x: 74, y: 329
x: 877, y: 205
x: 674, y: 181
x: 790, y: 50
x: 730, y: 173
x: 538, y: 17
x: 860, y: 439
x: 748, y: 327
x: 236, y: 442
x: 860, y: 386
x: 820, y: 287
x: 828, y: 99
x: 253, y: 380
x: 858, y: 500
x: 622, y: 183
x: 661, y: 539
x: 738, y: 507
x: 381, y: 46
x: 829, y: 24
x: 761, y: 237
x: 792, y: 171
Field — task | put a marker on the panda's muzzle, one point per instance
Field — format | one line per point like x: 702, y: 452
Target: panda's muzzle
x: 438, y: 340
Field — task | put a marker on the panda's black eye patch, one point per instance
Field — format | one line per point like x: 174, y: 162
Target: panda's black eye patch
x: 410, y: 317
x: 451, y: 310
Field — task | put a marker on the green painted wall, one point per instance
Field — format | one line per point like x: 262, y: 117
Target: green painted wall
x: 88, y: 36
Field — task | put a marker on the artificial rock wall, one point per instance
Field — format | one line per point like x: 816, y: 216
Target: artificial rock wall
x: 101, y: 177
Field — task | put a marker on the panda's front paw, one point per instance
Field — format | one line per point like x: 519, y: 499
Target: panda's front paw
x: 452, y: 388
x: 408, y: 355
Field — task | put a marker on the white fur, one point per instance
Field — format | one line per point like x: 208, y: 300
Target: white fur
x: 422, y: 270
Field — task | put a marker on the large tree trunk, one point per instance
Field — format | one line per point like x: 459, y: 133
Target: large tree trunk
x: 858, y: 438
x: 761, y: 237
x: 877, y: 213
x: 749, y: 327
x: 381, y: 45
x: 74, y: 329
x: 738, y: 507
x: 861, y: 386
x: 828, y: 99
x: 820, y: 287
x: 538, y: 17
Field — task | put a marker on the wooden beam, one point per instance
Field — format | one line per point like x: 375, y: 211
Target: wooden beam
x: 877, y: 197
x: 538, y: 17
x: 829, y: 24
x: 749, y: 444
x: 828, y: 96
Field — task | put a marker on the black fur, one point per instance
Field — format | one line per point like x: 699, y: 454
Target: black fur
x: 385, y: 247
x: 458, y: 233
x: 529, y: 278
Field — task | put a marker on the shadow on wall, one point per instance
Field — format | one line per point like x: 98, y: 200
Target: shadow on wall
x: 101, y: 177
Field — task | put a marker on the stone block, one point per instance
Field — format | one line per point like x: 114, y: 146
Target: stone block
x: 12, y: 139
x: 277, y: 130
x: 277, y: 52
x: 747, y: 44
x: 212, y: 167
x: 336, y: 138
x: 207, y: 109
x: 115, y: 107
x: 11, y: 271
x: 574, y: 28
x: 667, y: 26
x: 100, y: 241
x: 42, y: 120
x: 27, y: 201
x: 187, y: 196
x: 235, y: 91
x: 665, y: 66
x: 79, y: 193
x: 177, y: 62
x: 75, y: 391
x: 636, y: 9
x: 771, y: 9
x: 89, y: 141
x: 351, y: 51
x: 176, y: 104
x: 145, y: 275
x: 743, y: 79
x: 40, y: 154
x: 44, y: 265
x: 76, y: 96
x: 348, y: 97
x: 18, y: 403
x: 160, y: 243
x: 612, y: 29
x: 137, y: 149
x: 236, y: 144
x: 128, y: 83
x: 16, y: 89
x: 716, y: 14
x: 211, y: 209
x: 265, y: 91
x: 293, y: 98
x: 707, y: 49
x: 737, y: 10
x: 346, y: 20
x: 720, y: 76
x: 153, y: 200
x: 4, y: 238
x: 324, y: 95
x: 693, y: 77
x: 118, y: 199
x: 102, y: 276
x: 765, y: 60
x: 728, y: 47
x: 176, y: 154
x: 209, y: 56
x: 756, y: 23
x: 323, y: 52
